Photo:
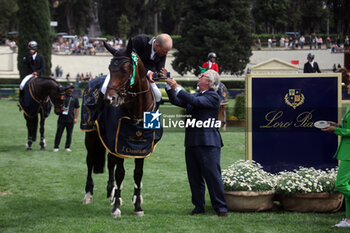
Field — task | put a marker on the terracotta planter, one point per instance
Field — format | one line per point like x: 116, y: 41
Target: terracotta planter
x: 249, y: 201
x: 312, y: 202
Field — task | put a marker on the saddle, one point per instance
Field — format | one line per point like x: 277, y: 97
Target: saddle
x: 32, y: 106
x: 119, y: 134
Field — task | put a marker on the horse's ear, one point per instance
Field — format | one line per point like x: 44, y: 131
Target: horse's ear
x: 129, y: 47
x: 109, y: 48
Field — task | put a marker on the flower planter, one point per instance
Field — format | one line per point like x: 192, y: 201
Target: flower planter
x: 312, y: 202
x: 249, y: 201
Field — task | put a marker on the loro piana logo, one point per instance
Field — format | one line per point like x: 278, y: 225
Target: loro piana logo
x: 294, y: 98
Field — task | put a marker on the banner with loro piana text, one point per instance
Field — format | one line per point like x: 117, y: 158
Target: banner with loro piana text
x: 282, y: 110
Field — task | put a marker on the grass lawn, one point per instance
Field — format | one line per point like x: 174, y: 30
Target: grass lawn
x: 41, y: 191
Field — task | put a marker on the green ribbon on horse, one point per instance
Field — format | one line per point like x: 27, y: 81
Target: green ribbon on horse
x: 135, y: 60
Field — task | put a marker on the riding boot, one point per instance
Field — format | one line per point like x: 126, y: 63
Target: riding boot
x: 137, y: 200
x: 116, y: 200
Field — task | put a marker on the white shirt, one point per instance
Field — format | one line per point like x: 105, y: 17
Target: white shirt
x: 34, y: 55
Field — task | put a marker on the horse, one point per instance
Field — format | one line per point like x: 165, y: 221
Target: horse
x: 36, y: 99
x: 128, y: 91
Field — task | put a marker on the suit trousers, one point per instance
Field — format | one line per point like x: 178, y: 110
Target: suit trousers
x: 203, y: 166
x: 342, y: 183
x: 60, y: 128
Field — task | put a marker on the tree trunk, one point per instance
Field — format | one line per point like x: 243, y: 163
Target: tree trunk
x: 155, y: 20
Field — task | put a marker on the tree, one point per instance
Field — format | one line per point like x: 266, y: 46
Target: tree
x: 8, y: 12
x: 339, y: 10
x: 141, y: 14
x: 171, y: 16
x: 34, y: 24
x: 220, y: 26
x: 73, y: 16
x: 124, y: 26
x: 271, y: 12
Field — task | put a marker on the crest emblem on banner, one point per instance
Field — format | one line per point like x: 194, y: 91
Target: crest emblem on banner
x: 294, y: 98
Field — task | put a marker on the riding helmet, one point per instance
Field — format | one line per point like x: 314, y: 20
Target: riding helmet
x: 211, y: 54
x: 310, y: 56
x: 33, y: 45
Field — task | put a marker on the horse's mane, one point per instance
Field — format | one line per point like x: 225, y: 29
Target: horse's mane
x: 48, y: 78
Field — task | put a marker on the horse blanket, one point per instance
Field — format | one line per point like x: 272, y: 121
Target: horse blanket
x: 223, y: 94
x: 119, y: 134
x: 32, y: 106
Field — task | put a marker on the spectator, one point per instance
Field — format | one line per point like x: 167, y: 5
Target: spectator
x: 328, y: 42
x: 269, y: 43
x: 319, y: 42
x: 282, y: 42
x: 302, y: 41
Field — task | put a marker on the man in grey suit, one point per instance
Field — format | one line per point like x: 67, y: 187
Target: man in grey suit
x: 202, y: 140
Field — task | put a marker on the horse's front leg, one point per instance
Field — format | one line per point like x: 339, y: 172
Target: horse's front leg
x: 137, y: 198
x: 116, y: 199
x: 42, y: 130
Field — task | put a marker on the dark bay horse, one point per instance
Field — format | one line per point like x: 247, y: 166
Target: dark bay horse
x: 36, y: 100
x: 128, y: 91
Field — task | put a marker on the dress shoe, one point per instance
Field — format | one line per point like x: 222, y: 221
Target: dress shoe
x: 195, y: 213
x: 222, y: 214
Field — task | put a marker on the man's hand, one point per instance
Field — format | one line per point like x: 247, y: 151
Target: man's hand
x: 35, y: 74
x: 164, y: 72
x: 172, y: 83
x: 75, y: 120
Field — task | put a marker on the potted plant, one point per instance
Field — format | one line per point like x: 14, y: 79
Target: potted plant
x: 248, y: 187
x: 309, y: 190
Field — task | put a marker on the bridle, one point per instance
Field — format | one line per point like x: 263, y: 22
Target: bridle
x: 124, y: 89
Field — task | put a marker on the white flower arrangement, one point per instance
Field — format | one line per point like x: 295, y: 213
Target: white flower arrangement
x: 306, y: 180
x: 247, y: 176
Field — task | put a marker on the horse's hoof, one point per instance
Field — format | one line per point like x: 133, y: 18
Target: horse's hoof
x: 29, y: 148
x: 139, y: 213
x: 42, y: 148
x: 87, y: 198
x: 117, y: 213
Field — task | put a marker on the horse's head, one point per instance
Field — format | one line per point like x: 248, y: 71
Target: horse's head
x: 57, y: 95
x: 122, y: 71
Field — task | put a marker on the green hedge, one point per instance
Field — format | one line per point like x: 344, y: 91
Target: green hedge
x: 239, y: 109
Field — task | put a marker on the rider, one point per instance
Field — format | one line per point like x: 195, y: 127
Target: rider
x: 153, y: 52
x: 311, y: 66
x: 35, y: 64
x: 211, y: 62
x: 35, y: 61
